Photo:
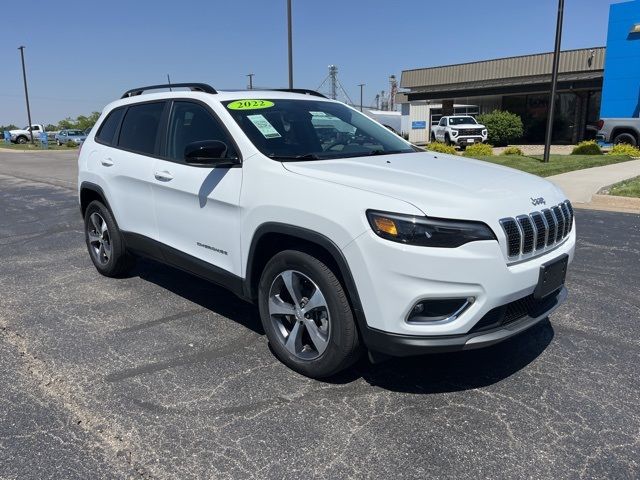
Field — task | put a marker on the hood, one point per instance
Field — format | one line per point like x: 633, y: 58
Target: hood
x: 440, y: 185
x: 468, y: 125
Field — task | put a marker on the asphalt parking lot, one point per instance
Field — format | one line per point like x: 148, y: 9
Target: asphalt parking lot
x: 161, y: 375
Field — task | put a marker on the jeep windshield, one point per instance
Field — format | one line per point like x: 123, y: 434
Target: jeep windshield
x: 303, y: 130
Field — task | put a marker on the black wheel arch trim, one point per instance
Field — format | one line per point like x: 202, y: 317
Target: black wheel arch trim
x: 96, y: 189
x: 322, y: 241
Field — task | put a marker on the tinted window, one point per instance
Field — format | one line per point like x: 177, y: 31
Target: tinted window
x: 191, y: 122
x: 140, y: 128
x: 109, y: 126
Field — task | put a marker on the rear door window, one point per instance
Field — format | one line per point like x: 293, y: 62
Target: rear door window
x: 108, y: 128
x: 140, y: 126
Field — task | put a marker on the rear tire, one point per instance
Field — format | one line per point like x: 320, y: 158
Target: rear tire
x: 105, y: 242
x: 627, y: 138
x: 314, y: 333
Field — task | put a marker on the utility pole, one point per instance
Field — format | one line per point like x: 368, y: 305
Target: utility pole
x: 26, y: 91
x: 554, y: 81
x: 250, y: 75
x: 361, y: 85
x: 290, y: 41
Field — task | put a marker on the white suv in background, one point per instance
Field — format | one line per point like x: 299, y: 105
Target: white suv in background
x: 346, y: 236
x: 461, y: 130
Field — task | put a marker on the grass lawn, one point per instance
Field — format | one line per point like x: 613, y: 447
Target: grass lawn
x: 628, y: 188
x: 28, y: 146
x: 557, y: 163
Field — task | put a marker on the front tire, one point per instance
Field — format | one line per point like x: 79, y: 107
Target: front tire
x: 105, y: 242
x: 447, y: 139
x: 306, y: 315
x: 21, y: 140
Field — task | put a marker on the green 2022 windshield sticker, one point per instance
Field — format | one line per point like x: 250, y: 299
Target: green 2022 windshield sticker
x: 249, y: 104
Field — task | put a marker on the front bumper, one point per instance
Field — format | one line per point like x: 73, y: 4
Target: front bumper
x: 399, y: 345
x: 392, y: 278
x: 468, y: 140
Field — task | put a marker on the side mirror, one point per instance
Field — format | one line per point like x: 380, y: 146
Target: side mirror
x: 208, y: 152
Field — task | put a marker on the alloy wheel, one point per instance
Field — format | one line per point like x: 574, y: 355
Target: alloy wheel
x: 299, y: 314
x: 99, y: 238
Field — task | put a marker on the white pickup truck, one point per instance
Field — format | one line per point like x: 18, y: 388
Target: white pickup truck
x: 461, y: 130
x: 23, y: 135
x: 619, y: 130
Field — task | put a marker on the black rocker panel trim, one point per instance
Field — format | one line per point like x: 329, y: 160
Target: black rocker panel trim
x: 151, y: 248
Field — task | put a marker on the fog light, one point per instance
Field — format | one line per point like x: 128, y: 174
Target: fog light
x: 436, y: 310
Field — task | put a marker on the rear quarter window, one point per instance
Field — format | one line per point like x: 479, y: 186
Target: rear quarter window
x: 109, y: 126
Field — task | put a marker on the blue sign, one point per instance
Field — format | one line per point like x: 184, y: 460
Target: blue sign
x: 419, y: 125
x: 44, y: 140
x: 7, y: 136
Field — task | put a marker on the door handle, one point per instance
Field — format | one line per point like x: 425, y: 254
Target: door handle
x: 163, y: 176
x: 107, y: 162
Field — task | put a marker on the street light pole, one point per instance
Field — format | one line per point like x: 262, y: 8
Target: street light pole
x: 290, y: 44
x: 250, y: 75
x: 26, y: 91
x: 361, y: 85
x: 554, y: 81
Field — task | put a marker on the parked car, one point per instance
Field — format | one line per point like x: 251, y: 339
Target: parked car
x: 619, y: 130
x: 461, y: 130
x: 355, y: 241
x: 87, y: 131
x: 23, y: 135
x: 64, y: 136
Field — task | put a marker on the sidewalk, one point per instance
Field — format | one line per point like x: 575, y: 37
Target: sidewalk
x: 582, y: 186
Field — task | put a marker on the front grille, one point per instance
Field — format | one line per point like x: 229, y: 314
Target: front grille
x: 470, y: 131
x: 512, y: 312
x: 533, y: 233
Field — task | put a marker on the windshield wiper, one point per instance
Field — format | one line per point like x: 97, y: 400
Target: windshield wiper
x: 306, y: 156
x: 386, y: 152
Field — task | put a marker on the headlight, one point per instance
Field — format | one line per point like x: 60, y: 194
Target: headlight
x: 426, y: 231
x: 454, y: 132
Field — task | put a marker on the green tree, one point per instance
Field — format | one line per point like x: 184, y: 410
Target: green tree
x: 11, y: 126
x: 504, y: 127
x: 80, y: 123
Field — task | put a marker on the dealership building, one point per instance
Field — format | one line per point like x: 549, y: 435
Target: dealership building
x: 592, y: 83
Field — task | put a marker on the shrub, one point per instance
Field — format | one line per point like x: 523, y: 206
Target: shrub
x: 512, y: 151
x: 70, y: 144
x: 588, y: 147
x: 479, y: 150
x: 441, y: 148
x: 503, y: 127
x: 625, y: 149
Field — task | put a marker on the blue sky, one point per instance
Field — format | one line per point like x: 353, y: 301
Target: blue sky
x: 81, y: 55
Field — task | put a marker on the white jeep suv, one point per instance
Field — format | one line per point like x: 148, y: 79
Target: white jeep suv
x: 346, y: 236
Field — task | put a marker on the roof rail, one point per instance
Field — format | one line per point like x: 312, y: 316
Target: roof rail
x: 304, y: 91
x: 195, y: 87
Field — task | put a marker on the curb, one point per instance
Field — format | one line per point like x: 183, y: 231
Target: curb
x: 611, y: 203
x: 35, y: 150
